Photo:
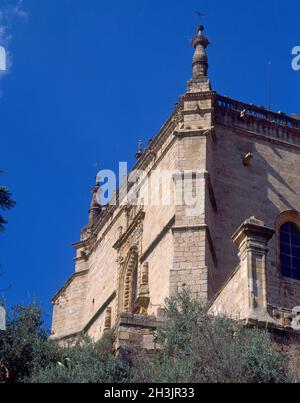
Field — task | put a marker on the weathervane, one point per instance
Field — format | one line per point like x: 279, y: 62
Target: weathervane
x: 200, y: 15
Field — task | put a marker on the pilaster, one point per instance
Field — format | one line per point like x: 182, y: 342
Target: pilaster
x: 252, y: 239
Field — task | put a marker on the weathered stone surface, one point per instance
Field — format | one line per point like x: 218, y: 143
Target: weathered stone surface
x: 240, y: 161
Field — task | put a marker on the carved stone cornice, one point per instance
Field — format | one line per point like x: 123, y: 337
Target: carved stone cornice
x: 184, y: 133
x: 250, y: 231
x: 198, y: 111
x: 132, y: 320
x: 195, y: 96
x: 247, y: 111
x: 267, y: 124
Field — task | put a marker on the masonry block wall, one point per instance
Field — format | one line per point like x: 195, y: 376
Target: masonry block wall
x: 204, y: 150
x: 69, y: 307
x: 228, y: 161
x: 264, y: 189
x: 99, y: 262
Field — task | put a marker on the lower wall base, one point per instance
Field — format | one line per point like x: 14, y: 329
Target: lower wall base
x: 135, y: 334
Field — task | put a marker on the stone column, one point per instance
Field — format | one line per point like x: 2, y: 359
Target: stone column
x: 252, y: 239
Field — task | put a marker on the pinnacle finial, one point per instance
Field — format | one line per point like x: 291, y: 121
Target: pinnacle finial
x: 200, y: 30
x: 200, y: 81
x: 200, y: 60
x: 95, y: 207
x: 140, y: 150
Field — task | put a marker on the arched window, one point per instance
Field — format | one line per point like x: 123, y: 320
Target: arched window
x: 290, y: 250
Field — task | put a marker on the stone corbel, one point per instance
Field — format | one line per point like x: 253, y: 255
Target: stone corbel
x: 200, y: 132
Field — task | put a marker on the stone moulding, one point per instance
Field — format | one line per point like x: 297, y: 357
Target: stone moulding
x: 193, y: 133
x: 272, y: 326
x: 248, y: 111
x: 130, y: 269
x: 134, y: 334
x: 198, y: 111
x: 132, y: 320
x: 68, y: 283
x: 257, y: 121
x: 252, y: 228
x: 194, y: 96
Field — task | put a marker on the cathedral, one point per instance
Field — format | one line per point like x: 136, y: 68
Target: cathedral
x: 238, y: 248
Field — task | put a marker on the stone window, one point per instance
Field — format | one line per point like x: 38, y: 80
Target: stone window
x: 290, y: 250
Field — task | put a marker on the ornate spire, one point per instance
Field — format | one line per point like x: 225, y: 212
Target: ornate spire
x: 95, y: 208
x: 200, y: 81
x: 200, y: 60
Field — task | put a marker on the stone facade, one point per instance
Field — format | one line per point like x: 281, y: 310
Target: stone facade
x: 240, y: 161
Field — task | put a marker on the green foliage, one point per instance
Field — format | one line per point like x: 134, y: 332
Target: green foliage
x: 86, y: 362
x: 31, y: 357
x: 24, y: 346
x: 199, y: 348
x: 195, y: 348
x: 6, y: 203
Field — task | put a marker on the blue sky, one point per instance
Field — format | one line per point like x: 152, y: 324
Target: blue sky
x: 88, y: 79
